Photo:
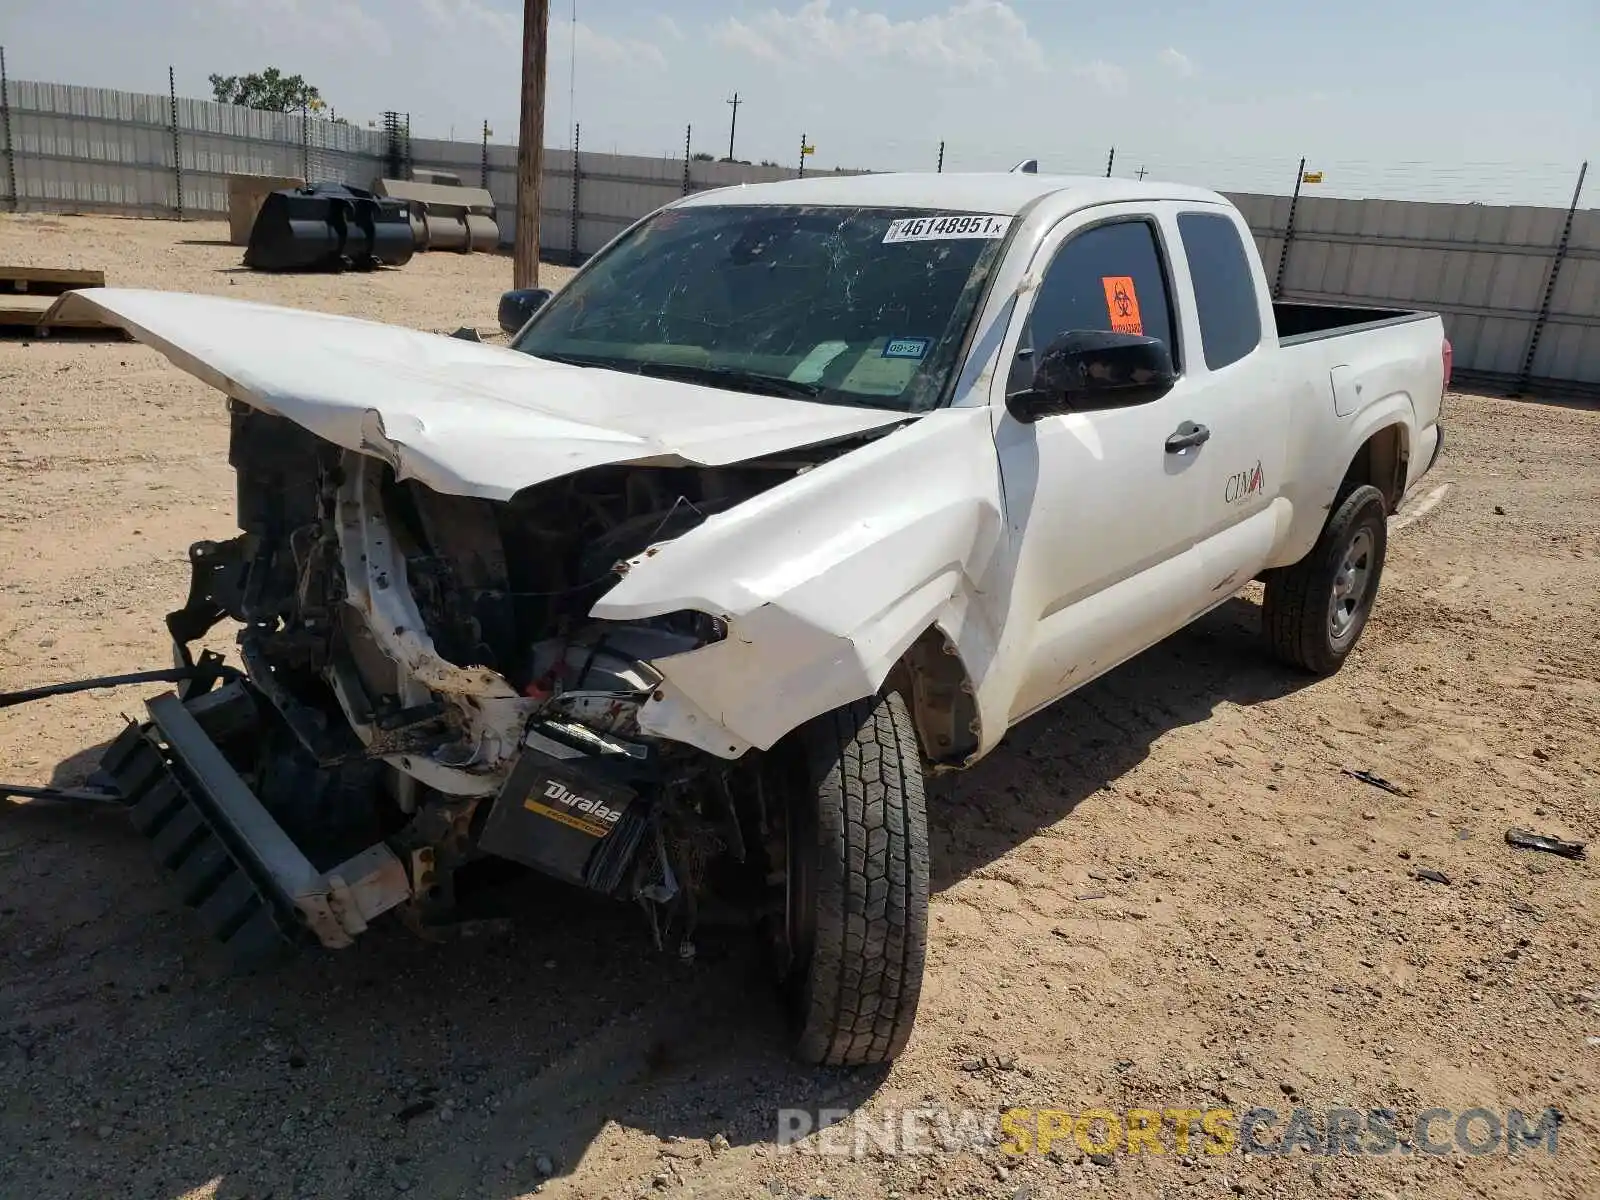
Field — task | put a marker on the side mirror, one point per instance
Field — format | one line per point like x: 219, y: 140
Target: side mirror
x: 517, y: 305
x: 1091, y: 368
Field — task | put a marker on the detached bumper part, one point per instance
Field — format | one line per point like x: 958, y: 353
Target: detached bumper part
x: 253, y: 888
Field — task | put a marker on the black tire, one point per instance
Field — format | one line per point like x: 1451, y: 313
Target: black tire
x: 1298, y: 616
x: 857, y: 867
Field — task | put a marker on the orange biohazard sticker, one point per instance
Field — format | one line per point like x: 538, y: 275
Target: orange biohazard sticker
x: 1122, y: 303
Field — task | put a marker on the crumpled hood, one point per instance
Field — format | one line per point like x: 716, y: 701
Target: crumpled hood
x: 462, y: 417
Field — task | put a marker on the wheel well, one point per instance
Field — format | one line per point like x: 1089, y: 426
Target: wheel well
x: 939, y: 693
x: 1381, y: 461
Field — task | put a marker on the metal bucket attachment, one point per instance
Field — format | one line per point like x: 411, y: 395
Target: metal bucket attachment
x: 446, y: 230
x: 329, y: 227
x: 445, y: 217
x: 483, y: 235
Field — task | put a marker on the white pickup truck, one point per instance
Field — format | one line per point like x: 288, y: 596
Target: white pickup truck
x: 795, y: 493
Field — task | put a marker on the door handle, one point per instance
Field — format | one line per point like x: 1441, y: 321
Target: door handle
x: 1187, y: 437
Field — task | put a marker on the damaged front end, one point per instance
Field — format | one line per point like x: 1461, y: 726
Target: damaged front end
x: 425, y: 699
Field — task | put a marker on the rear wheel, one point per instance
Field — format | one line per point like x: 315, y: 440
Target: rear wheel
x: 1315, y: 610
x: 851, y: 836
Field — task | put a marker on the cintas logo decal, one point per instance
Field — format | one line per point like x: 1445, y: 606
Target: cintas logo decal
x: 1244, y: 484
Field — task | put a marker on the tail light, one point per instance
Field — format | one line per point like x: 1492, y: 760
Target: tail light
x: 1448, y: 354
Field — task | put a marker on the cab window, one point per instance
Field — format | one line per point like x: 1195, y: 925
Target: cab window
x: 1110, y: 277
x: 1224, y: 287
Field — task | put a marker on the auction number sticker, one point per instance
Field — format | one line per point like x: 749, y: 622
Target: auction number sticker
x: 945, y: 229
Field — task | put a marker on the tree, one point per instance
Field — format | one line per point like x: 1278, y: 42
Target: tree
x: 270, y: 90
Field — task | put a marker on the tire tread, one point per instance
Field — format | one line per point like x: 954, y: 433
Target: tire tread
x: 870, y: 948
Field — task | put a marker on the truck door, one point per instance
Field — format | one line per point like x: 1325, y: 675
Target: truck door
x: 1236, y: 391
x: 1103, y: 515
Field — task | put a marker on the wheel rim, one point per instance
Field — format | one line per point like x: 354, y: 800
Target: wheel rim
x: 1351, y: 582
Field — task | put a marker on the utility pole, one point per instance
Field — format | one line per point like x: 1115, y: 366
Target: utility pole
x: 1142, y: 174
x: 1110, y: 158
x: 940, y: 168
x: 734, y: 124
x: 530, y: 143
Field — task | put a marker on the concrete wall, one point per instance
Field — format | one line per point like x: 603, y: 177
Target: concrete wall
x: 614, y: 190
x: 94, y: 150
x: 1485, y: 268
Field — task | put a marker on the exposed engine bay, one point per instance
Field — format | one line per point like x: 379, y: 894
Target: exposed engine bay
x: 426, y: 675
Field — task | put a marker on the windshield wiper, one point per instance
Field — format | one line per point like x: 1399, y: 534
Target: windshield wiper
x: 591, y: 360
x: 723, y: 377
x: 732, y: 378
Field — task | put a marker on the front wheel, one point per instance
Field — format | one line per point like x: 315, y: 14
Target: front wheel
x: 1315, y: 610
x: 853, y: 844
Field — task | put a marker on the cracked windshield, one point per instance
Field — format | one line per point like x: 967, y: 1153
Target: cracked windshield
x: 860, y: 306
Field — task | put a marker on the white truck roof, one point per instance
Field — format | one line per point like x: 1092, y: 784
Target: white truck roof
x: 1004, y: 193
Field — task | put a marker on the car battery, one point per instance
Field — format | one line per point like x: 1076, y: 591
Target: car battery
x: 563, y: 821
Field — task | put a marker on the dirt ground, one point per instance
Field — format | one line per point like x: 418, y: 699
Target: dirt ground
x: 1163, y: 893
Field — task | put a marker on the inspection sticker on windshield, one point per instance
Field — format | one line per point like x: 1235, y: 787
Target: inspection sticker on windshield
x: 904, y: 347
x: 945, y: 229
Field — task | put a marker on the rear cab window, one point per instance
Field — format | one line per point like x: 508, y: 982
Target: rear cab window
x: 1225, y: 297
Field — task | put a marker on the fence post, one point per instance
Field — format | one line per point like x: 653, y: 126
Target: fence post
x: 1288, y: 233
x: 577, y: 141
x: 688, y: 136
x: 1550, y: 286
x: 177, y: 144
x: 393, y: 156
x: 5, y: 119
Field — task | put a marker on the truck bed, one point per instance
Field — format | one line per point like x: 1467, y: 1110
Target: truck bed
x: 1298, y: 323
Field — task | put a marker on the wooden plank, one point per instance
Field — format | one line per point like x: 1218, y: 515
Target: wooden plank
x: 48, y: 281
x: 24, y: 310
x: 30, y: 310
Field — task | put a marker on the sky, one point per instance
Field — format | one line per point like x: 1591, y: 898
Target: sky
x: 1421, y: 99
